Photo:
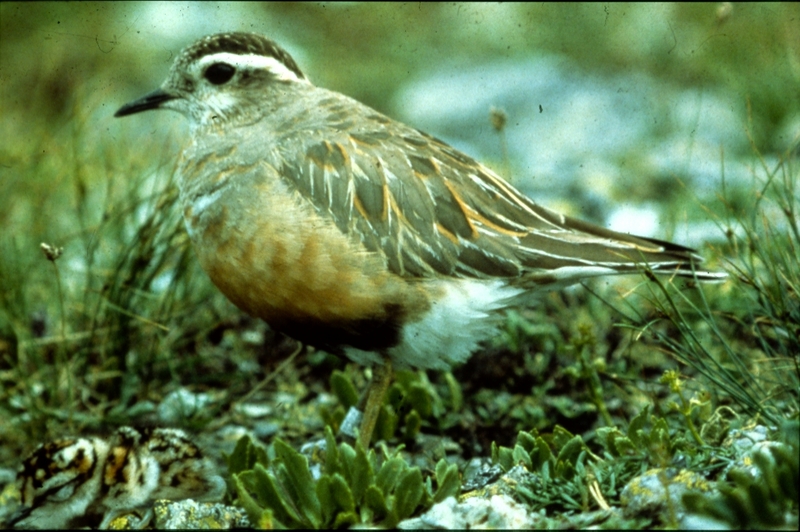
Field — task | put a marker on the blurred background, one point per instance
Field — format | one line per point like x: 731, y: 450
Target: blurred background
x: 646, y: 118
x: 611, y: 109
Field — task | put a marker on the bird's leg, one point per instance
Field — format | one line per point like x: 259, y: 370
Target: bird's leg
x: 376, y: 392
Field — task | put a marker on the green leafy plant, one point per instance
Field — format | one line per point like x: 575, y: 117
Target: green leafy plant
x: 746, y: 347
x: 568, y: 475
x: 349, y: 486
x: 647, y: 436
x: 560, y: 477
x: 412, y: 402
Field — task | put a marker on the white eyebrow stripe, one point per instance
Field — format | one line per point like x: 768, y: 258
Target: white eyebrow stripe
x: 252, y: 61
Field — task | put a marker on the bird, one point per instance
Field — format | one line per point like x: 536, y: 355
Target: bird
x: 73, y: 482
x: 355, y: 233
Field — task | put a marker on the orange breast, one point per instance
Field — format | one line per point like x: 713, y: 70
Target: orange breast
x: 276, y: 258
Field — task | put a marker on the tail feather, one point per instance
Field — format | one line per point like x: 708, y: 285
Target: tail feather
x: 583, y: 250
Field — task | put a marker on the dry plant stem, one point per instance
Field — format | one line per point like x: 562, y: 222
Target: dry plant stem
x: 63, y: 362
x: 381, y: 377
x: 60, y: 301
x: 272, y: 375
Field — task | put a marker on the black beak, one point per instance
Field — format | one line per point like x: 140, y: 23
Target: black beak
x: 145, y: 103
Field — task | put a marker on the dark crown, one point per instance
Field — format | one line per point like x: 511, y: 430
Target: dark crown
x: 241, y: 44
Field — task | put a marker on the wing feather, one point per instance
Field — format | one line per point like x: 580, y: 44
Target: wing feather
x: 431, y: 210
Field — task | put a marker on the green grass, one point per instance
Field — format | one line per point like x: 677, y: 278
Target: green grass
x: 745, y: 343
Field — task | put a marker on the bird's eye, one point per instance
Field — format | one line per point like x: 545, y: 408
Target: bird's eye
x: 219, y: 73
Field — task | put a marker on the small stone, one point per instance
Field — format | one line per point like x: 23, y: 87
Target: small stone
x: 181, y: 405
x: 498, y: 512
x: 188, y: 514
x: 647, y: 493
